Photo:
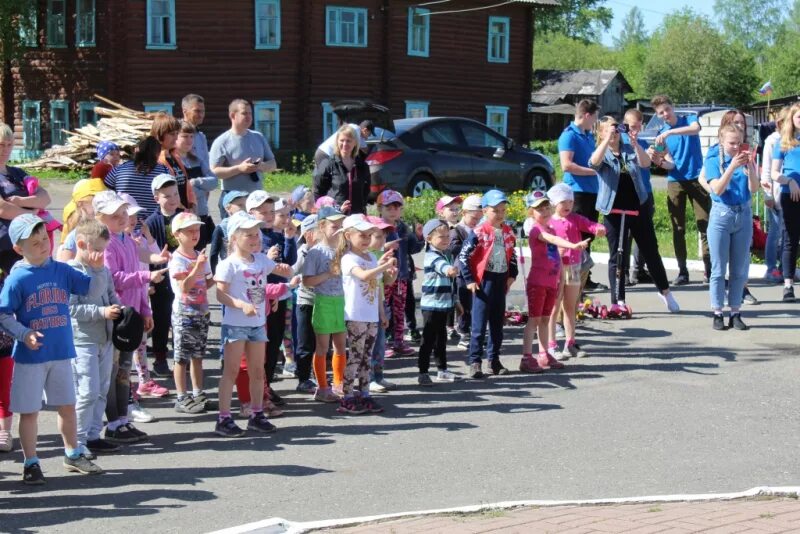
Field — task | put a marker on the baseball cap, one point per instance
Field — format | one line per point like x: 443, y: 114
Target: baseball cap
x: 230, y: 196
x: 128, y: 330
x: 357, y: 222
x: 107, y: 202
x: 133, y: 206
x: 22, y: 227
x: 309, y: 223
x: 241, y: 220
x: 87, y: 187
x: 560, y: 192
x: 535, y: 199
x: 162, y: 180
x: 446, y: 201
x: 258, y: 197
x: 298, y: 193
x: 185, y: 220
x: 329, y: 212
x: 472, y: 203
x: 432, y: 225
x: 379, y: 223
x: 324, y: 201
x: 389, y: 196
x: 492, y: 198
x: 280, y: 204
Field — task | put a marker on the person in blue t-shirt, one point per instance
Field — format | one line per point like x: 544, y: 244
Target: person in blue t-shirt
x: 677, y: 150
x: 732, y: 177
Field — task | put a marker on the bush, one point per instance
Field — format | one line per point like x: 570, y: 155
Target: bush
x: 423, y: 208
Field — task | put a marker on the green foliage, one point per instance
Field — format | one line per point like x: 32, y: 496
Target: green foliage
x: 559, y: 51
x: 295, y: 161
x: 10, y: 12
x: 751, y: 23
x: 283, y: 182
x: 633, y: 31
x: 581, y: 19
x: 423, y: 208
x: 782, y: 61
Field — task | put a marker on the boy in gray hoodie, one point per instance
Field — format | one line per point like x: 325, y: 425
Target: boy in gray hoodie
x: 92, y: 321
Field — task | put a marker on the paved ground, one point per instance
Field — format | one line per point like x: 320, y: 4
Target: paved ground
x: 665, y: 405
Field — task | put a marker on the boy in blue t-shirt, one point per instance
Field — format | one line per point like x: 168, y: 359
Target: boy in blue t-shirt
x: 34, y: 309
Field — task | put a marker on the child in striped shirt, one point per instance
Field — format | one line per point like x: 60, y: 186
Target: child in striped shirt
x: 437, y: 302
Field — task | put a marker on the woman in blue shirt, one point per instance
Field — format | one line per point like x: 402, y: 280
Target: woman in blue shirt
x: 786, y: 170
x: 732, y: 177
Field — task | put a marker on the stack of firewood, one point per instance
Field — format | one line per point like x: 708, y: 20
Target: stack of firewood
x: 119, y: 124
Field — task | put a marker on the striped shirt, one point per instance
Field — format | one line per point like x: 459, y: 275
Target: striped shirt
x: 437, y: 287
x: 126, y: 179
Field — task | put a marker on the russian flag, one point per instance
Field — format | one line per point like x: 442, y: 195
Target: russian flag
x: 766, y: 89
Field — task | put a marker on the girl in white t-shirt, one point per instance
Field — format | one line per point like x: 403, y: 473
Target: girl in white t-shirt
x: 241, y: 287
x: 362, y: 276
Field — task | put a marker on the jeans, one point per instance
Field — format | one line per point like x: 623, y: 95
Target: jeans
x: 791, y: 235
x: 91, y: 373
x: 677, y: 194
x: 774, y: 236
x: 119, y: 387
x: 376, y: 362
x: 730, y: 233
x: 488, y: 306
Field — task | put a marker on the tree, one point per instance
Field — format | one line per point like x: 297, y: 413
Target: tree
x: 753, y: 23
x: 633, y: 31
x: 691, y: 61
x: 11, y: 13
x: 580, y: 19
x: 558, y: 51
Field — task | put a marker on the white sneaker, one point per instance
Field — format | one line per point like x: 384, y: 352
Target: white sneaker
x: 463, y: 343
x: 670, y: 302
x: 573, y: 351
x: 560, y: 332
x: 376, y: 387
x: 138, y: 414
x: 446, y: 376
x: 560, y: 355
x: 6, y: 441
x: 388, y: 385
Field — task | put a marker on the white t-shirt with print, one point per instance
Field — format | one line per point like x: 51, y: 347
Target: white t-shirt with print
x: 194, y: 301
x: 248, y: 283
x: 361, y: 298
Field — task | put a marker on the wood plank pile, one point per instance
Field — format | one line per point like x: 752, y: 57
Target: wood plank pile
x: 119, y: 124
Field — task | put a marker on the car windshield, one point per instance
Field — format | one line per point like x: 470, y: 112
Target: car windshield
x: 656, y: 123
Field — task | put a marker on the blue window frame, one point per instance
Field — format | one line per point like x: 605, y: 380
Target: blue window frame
x: 31, y: 124
x: 268, y: 24
x: 416, y: 109
x: 346, y: 26
x: 161, y: 25
x: 419, y: 31
x: 155, y: 107
x: 330, y: 122
x: 86, y: 114
x: 29, y: 29
x: 57, y: 23
x: 497, y: 119
x: 84, y: 23
x: 59, y: 121
x: 267, y: 120
x: 499, y: 28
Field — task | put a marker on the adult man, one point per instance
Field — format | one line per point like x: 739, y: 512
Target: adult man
x: 328, y: 147
x: 575, y: 146
x: 240, y: 155
x: 677, y: 149
x: 194, y: 112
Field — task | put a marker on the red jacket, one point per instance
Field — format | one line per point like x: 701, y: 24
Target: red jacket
x: 477, y: 250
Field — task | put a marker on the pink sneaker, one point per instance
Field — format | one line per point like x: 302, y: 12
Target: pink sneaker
x: 152, y: 389
x: 547, y: 361
x: 404, y: 349
x: 530, y: 365
x: 389, y: 353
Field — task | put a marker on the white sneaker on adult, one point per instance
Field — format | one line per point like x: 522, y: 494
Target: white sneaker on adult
x: 376, y: 387
x: 670, y: 302
x: 138, y: 414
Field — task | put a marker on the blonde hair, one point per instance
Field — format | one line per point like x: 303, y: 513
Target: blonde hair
x: 604, y: 120
x: 341, y: 249
x: 5, y: 132
x: 347, y: 131
x: 91, y: 230
x: 729, y: 127
x: 788, y: 132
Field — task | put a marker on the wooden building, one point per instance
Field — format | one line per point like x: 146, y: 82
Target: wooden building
x: 290, y: 58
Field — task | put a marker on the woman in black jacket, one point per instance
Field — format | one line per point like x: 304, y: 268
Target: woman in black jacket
x: 345, y: 176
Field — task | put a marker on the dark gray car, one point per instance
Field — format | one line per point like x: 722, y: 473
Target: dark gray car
x: 454, y: 155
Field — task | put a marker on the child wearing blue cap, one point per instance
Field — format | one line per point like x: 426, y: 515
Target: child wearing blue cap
x: 488, y: 263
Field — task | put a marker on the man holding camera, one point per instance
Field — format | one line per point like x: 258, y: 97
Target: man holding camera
x: 239, y: 156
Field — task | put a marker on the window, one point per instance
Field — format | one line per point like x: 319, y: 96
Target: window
x: 28, y: 29
x: 56, y: 23
x: 268, y: 24
x: 59, y: 121
x: 330, y: 122
x: 154, y: 107
x: 267, y: 120
x: 497, y: 119
x: 480, y: 137
x: 31, y: 125
x: 416, y: 110
x: 346, y: 26
x: 440, y: 134
x: 84, y: 23
x: 86, y: 114
x: 498, y: 39
x: 419, y: 31
x: 161, y: 24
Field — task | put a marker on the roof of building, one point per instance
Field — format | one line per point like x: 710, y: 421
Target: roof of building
x: 557, y: 84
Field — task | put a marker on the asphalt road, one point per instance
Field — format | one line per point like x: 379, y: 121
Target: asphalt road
x: 665, y: 405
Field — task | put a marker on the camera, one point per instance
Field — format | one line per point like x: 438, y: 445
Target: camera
x: 622, y: 128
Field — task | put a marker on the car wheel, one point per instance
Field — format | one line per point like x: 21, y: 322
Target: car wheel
x: 420, y: 184
x: 538, y: 181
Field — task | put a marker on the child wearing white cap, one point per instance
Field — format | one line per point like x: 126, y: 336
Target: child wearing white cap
x: 471, y: 213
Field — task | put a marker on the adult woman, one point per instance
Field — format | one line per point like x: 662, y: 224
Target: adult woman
x: 618, y: 167
x: 731, y: 176
x: 165, y: 130
x: 345, y: 176
x: 786, y: 171
x: 135, y: 177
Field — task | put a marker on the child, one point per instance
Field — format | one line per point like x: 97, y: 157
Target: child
x: 488, y: 264
x: 377, y: 382
x: 327, y: 316
x: 6, y: 371
x: 361, y: 276
x: 471, y: 213
x: 543, y: 283
x: 302, y: 202
x: 190, y: 277
x: 165, y: 192
x: 282, y: 234
x: 78, y: 209
x: 390, y: 208
x: 437, y: 301
x: 51, y: 224
x: 322, y: 202
x: 241, y: 279
x: 122, y: 258
x: 108, y: 157
x: 448, y: 209
x: 233, y: 201
x: 201, y: 179
x: 569, y: 226
x: 34, y: 309
x: 306, y: 342
x: 92, y: 322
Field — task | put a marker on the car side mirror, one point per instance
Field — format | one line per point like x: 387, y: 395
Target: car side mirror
x: 499, y: 152
x: 509, y: 144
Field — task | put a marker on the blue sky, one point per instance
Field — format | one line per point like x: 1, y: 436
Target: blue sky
x: 653, y: 12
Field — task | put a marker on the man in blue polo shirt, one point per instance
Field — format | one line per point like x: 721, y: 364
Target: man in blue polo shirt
x: 679, y: 141
x: 575, y: 146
